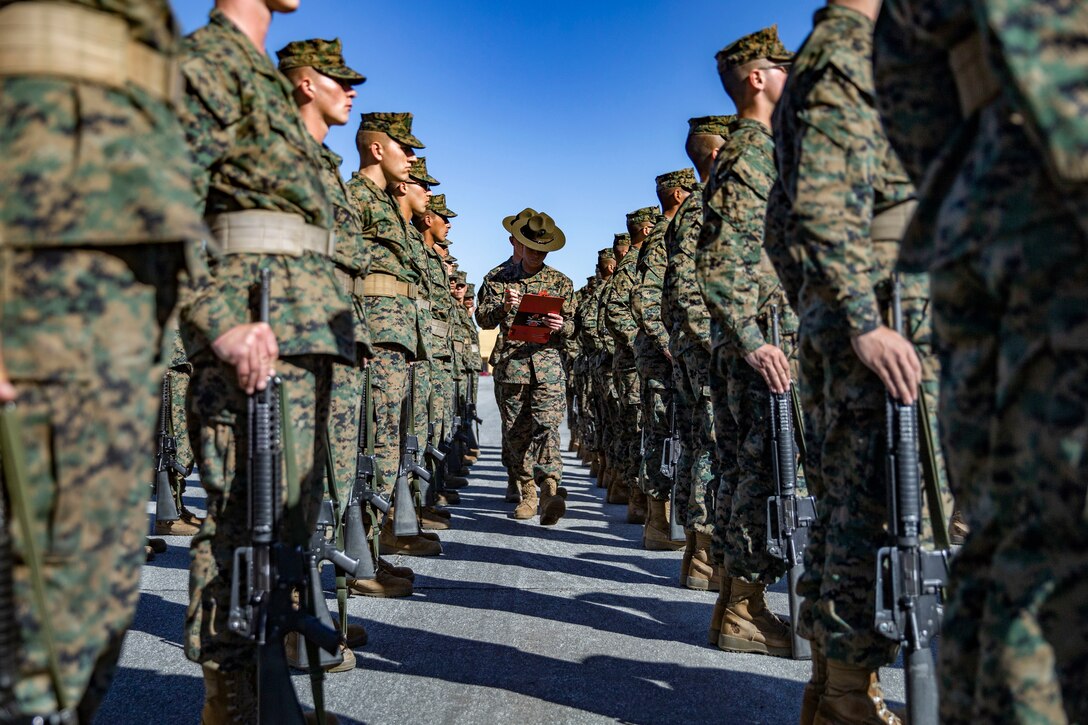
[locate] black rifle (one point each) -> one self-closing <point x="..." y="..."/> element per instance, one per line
<point x="670" y="456"/>
<point x="166" y="460"/>
<point x="364" y="491"/>
<point x="909" y="579"/>
<point x="405" y="522"/>
<point x="789" y="516"/>
<point x="268" y="570"/>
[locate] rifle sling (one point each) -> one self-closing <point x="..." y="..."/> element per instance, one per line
<point x="927" y="448"/>
<point x="15" y="480"/>
<point x="287" y="435"/>
<point x="798" y="424"/>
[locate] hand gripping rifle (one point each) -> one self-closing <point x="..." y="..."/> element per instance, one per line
<point x="909" y="579"/>
<point x="670" y="455"/>
<point x="789" y="516"/>
<point x="268" y="570"/>
<point x="166" y="460"/>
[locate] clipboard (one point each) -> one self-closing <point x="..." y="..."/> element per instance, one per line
<point x="529" y="324"/>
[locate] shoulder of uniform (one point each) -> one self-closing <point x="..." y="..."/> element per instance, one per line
<point x="845" y="45"/>
<point x="209" y="76"/>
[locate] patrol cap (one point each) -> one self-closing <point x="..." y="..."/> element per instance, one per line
<point x="459" y="277"/>
<point x="710" y="125"/>
<point x="682" y="179"/>
<point x="754" y="46"/>
<point x="471" y="291"/>
<point x="419" y="172"/>
<point x="606" y="253"/>
<point x="643" y="215"/>
<point x="397" y="125"/>
<point x="324" y="56"/>
<point x="536" y="230"/>
<point x="437" y="204"/>
<point x="621" y="240"/>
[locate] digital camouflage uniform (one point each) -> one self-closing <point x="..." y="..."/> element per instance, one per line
<point x="601" y="372"/>
<point x="739" y="286"/>
<point x="493" y="359"/>
<point x="1001" y="139"/>
<point x="651" y="346"/>
<point x="619" y="320"/>
<point x="399" y="324"/>
<point x="97" y="198"/>
<point x="583" y="391"/>
<point x="237" y="106"/>
<point x="586" y="329"/>
<point x="838" y="174"/>
<point x="530" y="375"/>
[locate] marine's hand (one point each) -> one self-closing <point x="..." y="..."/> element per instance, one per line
<point x="252" y="350"/>
<point x="772" y="364"/>
<point x="553" y="321"/>
<point x="893" y="358"/>
<point x="7" y="390"/>
<point x="511" y="299"/>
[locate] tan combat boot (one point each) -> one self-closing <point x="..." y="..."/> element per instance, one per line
<point x="432" y="520"/>
<point x="526" y="509"/>
<point x="685" y="563"/>
<point x="853" y="696"/>
<point x="356" y="637"/>
<point x="749" y="626"/>
<point x="602" y="470"/>
<point x="384" y="585"/>
<point x="228" y="696"/>
<point x="714" y="632"/>
<point x="617" y="488"/>
<point x="552" y="505"/>
<point x="403" y="572"/>
<point x="702" y="569"/>
<point x="420" y="545"/>
<point x="454" y="482"/>
<point x="655" y="535"/>
<point x="448" y="498"/>
<point x="293" y="640"/>
<point x="593" y="461"/>
<point x="814" y="688"/>
<point x="513" y="494"/>
<point x="636" y="506"/>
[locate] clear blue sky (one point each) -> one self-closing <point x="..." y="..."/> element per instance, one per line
<point x="570" y="107"/>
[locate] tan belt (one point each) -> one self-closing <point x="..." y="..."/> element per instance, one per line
<point x="440" y="329"/>
<point x="379" y="284"/>
<point x="72" y="41"/>
<point x="350" y="282"/>
<point x="476" y="348"/>
<point x="975" y="81"/>
<point x="890" y="224"/>
<point x="458" y="346"/>
<point x="257" y="231"/>
<point x="423" y="304"/>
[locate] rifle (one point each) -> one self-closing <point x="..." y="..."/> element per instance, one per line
<point x="670" y="455"/>
<point x="268" y="570"/>
<point x="789" y="516"/>
<point x="909" y="579"/>
<point x="363" y="491"/>
<point x="166" y="460"/>
<point x="405" y="522"/>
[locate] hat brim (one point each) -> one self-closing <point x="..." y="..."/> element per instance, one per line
<point x="508" y="222"/>
<point x="557" y="243"/>
<point x="428" y="179"/>
<point x="406" y="139"/>
<point x="343" y="73"/>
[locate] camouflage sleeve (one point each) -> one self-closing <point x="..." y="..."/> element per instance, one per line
<point x="730" y="247"/>
<point x="785" y="258"/>
<point x="489" y="307"/>
<point x="619" y="318"/>
<point x="566" y="291"/>
<point x="650" y="291"/>
<point x="833" y="202"/>
<point x="207" y="111"/>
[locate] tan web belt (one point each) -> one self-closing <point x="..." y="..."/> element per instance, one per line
<point x="476" y="348"/>
<point x="458" y="346"/>
<point x="350" y="283"/>
<point x="440" y="329"/>
<point x="258" y="231"/>
<point x="423" y="304"/>
<point x="975" y="81"/>
<point x="83" y="44"/>
<point x="890" y="224"/>
<point x="378" y="284"/>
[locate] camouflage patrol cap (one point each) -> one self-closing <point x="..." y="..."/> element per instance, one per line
<point x="643" y="215"/>
<point x="682" y="179"/>
<point x="419" y="172"/>
<point x="754" y="46"/>
<point x="711" y="125"/>
<point x="471" y="291"/>
<point x="606" y="253"/>
<point x="397" y="125"/>
<point x="324" y="56"/>
<point x="437" y="204"/>
<point x="451" y="260"/>
<point x="621" y="240"/>
<point x="459" y="277"/>
<point x="536" y="230"/>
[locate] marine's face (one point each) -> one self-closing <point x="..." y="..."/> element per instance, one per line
<point x="774" y="81"/>
<point x="417" y="197"/>
<point x="334" y="98"/>
<point x="531" y="259"/>
<point x="607" y="267"/>
<point x="396" y="160"/>
<point x="439" y="229"/>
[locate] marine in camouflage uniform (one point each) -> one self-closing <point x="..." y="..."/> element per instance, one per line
<point x="587" y="447"/>
<point x="684" y="313"/>
<point x="176" y="380"/>
<point x="531" y="373"/>
<point x="399" y="320"/>
<point x="654" y="360"/>
<point x="998" y="132"/>
<point x="833" y="231"/>
<point x="616" y="488"/>
<point x="513" y="493"/>
<point x="97" y="203"/>
<point x="586" y="328"/>
<point x="237" y="106"/>
<point x="619" y="320"/>
<point x="739" y="287"/>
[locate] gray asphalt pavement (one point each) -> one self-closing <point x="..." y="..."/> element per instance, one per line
<point x="513" y="623"/>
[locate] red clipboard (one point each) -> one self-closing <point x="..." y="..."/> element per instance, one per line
<point x="529" y="324"/>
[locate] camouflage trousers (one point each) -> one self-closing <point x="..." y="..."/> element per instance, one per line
<point x="441" y="403"/>
<point x="745" y="536"/>
<point x="1014" y="400"/>
<point x="608" y="408"/>
<point x="389" y="385"/>
<point x="218" y="425"/>
<point x="726" y="435"/>
<point x="532" y="414"/>
<point x="657" y="399"/>
<point x="628" y="430"/>
<point x="178" y="427"/>
<point x="83" y="343"/>
<point x="345" y="407"/>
